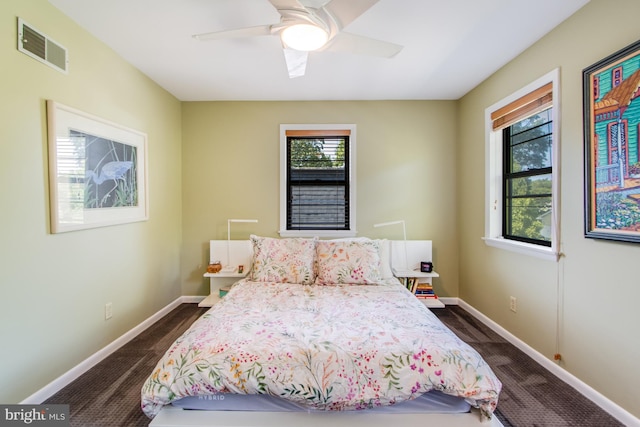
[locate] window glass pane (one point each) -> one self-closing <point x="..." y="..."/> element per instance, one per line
<point x="317" y="174"/>
<point x="528" y="208"/>
<point x="317" y="153"/>
<point x="530" y="186"/>
<point x="532" y="121"/>
<point x="318" y="184"/>
<point x="318" y="207"/>
<point x="529" y="218"/>
<point x="531" y="142"/>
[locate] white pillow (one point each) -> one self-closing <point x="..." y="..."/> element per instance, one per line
<point x="384" y="251"/>
<point x="349" y="261"/>
<point x="283" y="260"/>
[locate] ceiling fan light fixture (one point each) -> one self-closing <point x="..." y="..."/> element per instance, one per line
<point x="304" y="37"/>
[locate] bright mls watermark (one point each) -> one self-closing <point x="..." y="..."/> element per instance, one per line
<point x="34" y="415"/>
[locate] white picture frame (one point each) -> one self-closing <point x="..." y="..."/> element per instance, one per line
<point x="97" y="171"/>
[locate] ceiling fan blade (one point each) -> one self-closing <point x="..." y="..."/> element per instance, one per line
<point x="287" y="4"/>
<point x="296" y="62"/>
<point x="262" y="30"/>
<point x="352" y="43"/>
<point x="346" y="11"/>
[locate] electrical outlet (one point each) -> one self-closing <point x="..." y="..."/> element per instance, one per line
<point x="513" y="304"/>
<point x="108" y="311"/>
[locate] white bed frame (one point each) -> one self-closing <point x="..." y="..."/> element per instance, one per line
<point x="240" y="253"/>
<point x="171" y="416"/>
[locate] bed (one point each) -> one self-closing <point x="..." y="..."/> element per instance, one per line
<point x="319" y="333"/>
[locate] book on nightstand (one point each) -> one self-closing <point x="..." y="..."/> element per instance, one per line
<point x="424" y="290"/>
<point x="410" y="283"/>
<point x="432" y="296"/>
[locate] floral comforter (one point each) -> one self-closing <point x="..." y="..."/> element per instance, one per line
<point x="338" y="347"/>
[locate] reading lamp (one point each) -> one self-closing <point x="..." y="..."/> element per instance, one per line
<point x="229" y="267"/>
<point x="404" y="235"/>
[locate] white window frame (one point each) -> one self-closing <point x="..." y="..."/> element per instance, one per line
<point x="493" y="176"/>
<point x="283" y="182"/>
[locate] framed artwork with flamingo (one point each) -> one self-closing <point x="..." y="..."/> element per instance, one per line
<point x="97" y="171"/>
<point x="611" y="95"/>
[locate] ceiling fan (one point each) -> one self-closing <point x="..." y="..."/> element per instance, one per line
<point x="310" y="25"/>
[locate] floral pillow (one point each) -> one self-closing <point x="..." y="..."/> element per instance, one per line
<point x="283" y="260"/>
<point x="354" y="262"/>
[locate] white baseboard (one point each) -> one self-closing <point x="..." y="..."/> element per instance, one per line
<point x="194" y="299"/>
<point x="69" y="376"/>
<point x="602" y="401"/>
<point x="449" y="300"/>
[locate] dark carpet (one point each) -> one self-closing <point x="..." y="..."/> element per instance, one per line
<point x="109" y="393"/>
<point x="531" y="395"/>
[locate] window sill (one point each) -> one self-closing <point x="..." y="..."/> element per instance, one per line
<point x="542" y="252"/>
<point x="316" y="233"/>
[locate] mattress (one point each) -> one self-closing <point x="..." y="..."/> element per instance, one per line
<point x="431" y="402"/>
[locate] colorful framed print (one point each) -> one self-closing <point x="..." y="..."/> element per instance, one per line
<point x="611" y="97"/>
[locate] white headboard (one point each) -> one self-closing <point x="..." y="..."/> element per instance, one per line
<point x="241" y="253"/>
<point x="417" y="250"/>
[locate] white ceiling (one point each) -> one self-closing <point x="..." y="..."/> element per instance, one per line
<point x="450" y="46"/>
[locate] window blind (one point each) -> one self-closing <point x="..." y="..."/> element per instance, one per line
<point x="528" y="105"/>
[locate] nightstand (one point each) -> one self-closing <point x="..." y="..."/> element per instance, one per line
<point x="234" y="253"/>
<point x="420" y="284"/>
<point x="217" y="281"/>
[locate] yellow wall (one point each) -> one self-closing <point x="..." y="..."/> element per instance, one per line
<point x="405" y="169"/>
<point x="53" y="287"/>
<point x="598" y="280"/>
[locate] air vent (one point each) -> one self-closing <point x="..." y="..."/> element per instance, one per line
<point x="39" y="46"/>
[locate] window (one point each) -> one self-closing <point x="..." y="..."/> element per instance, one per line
<point x="522" y="170"/>
<point x="526" y="179"/>
<point x="316" y="186"/>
